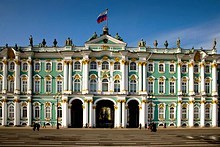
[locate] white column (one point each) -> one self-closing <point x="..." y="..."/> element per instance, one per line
<point x="144" y="78"/>
<point x="5" y="73"/>
<point x="99" y="77"/>
<point x="65" y="112"/>
<point x="69" y="114"/>
<point x="29" y="76"/>
<point x="126" y="77"/>
<point x="16" y="112"/>
<point x="123" y="91"/>
<point x="202" y="75"/>
<point x="111" y="82"/>
<point x="142" y="112"/>
<point x="146" y="112"/>
<point x="191" y="78"/>
<point x="179" y="112"/>
<point x="70" y="77"/>
<point x="202" y="112"/>
<point x="214" y="79"/>
<point x="90" y="114"/>
<point x="123" y="114"/>
<point x="85" y="113"/>
<point x="94" y="116"/>
<point x="65" y="72"/>
<point x="85" y="76"/>
<point x="29" y="111"/>
<point x="116" y="116"/>
<point x="140" y="77"/>
<point x="17" y="76"/>
<point x="4" y="111"/>
<point x="119" y="113"/>
<point x="191" y="111"/>
<point x="214" y="112"/>
<point x="179" y="88"/>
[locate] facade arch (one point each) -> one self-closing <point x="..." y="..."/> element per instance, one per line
<point x="96" y="101"/>
<point x="76" y="98"/>
<point x="139" y="102"/>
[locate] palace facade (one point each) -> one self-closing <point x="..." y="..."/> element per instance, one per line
<point x="107" y="84"/>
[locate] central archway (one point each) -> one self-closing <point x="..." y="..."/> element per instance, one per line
<point x="76" y="114"/>
<point x="105" y="114"/>
<point x="133" y="114"/>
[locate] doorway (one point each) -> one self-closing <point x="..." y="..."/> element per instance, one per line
<point x="76" y="114"/>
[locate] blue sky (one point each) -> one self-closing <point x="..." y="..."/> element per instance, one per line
<point x="196" y="22"/>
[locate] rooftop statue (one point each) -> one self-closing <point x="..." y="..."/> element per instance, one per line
<point x="155" y="43"/>
<point x="16" y="47"/>
<point x="214" y="43"/>
<point x="6" y="45"/>
<point x="166" y="44"/>
<point x="55" y="43"/>
<point x="44" y="43"/>
<point x="31" y="41"/>
<point x="118" y="37"/>
<point x="69" y="42"/>
<point x="178" y="43"/>
<point x="142" y="43"/>
<point x="94" y="36"/>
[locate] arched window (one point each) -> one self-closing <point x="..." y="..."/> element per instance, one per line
<point x="133" y="86"/>
<point x="24" y="112"/>
<point x="37" y="112"/>
<point x="12" y="66"/>
<point x="59" y="110"/>
<point x="161" y="87"/>
<point x="183" y="69"/>
<point x="1" y="66"/>
<point x="172" y="87"/>
<point x="77" y="85"/>
<point x="207" y="69"/>
<point x="184" y="87"/>
<point x="116" y="86"/>
<point x="207" y="112"/>
<point x="172" y="69"/>
<point x="104" y="85"/>
<point x="24" y="85"/>
<point x="47" y="112"/>
<point x="0" y="111"/>
<point x="150" y="112"/>
<point x="48" y="85"/>
<point x="161" y="113"/>
<point x="132" y="66"/>
<point x="196" y="87"/>
<point x="24" y="66"/>
<point x="172" y="113"/>
<point x="161" y="68"/>
<point x="196" y="113"/>
<point x="93" y="65"/>
<point x="1" y="85"/>
<point x="37" y="66"/>
<point x="196" y="68"/>
<point x="59" y="86"/>
<point x="77" y="65"/>
<point x="150" y="67"/>
<point x="93" y="85"/>
<point x="207" y="86"/>
<point x="48" y="66"/>
<point x="11" y="86"/>
<point x="184" y="113"/>
<point x="59" y="67"/>
<point x="36" y="85"/>
<point x="105" y="65"/>
<point x="11" y="111"/>
<point x="116" y="66"/>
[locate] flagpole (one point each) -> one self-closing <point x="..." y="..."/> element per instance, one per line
<point x="107" y="18"/>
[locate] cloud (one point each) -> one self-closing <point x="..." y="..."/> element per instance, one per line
<point x="195" y="36"/>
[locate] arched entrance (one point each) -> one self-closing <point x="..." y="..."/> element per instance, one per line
<point x="133" y="114"/>
<point x="105" y="114"/>
<point x="76" y="114"/>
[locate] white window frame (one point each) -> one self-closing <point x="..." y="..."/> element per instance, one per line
<point x="10" y="87"/>
<point x="107" y="85"/>
<point x="209" y="86"/>
<point x="186" y="69"/>
<point x="37" y="70"/>
<point x="23" y="67"/>
<point x="164" y="110"/>
<point x="48" y="66"/>
<point x="59" y="65"/>
<point x="59" y="111"/>
<point x="135" y="65"/>
<point x="196" y="93"/>
<point x="94" y="83"/>
<point x="49" y="86"/>
<point x="78" y="84"/>
<point x="174" y="113"/>
<point x="93" y="64"/>
<point x="35" y="86"/>
<point x="117" y="66"/>
<point x="77" y="65"/>
<point x="163" y="67"/>
<point x="150" y="71"/>
<point x="174" y="85"/>
<point x="11" y="112"/>
<point x="34" y="109"/>
<point x="45" y="112"/>
<point x="208" y="106"/>
<point x="164" y="90"/>
<point x="197" y="69"/>
<point x="197" y="113"/>
<point x="207" y="72"/>
<point x="24" y="88"/>
<point x="59" y="86"/>
<point x="117" y="87"/>
<point x="148" y="87"/>
<point x="22" y="111"/>
<point x="105" y="66"/>
<point x="133" y="90"/>
<point x="173" y="68"/>
<point x="153" y="110"/>
<point x="10" y="66"/>
<point x="186" y="112"/>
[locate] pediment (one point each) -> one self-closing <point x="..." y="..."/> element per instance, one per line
<point x="106" y="39"/>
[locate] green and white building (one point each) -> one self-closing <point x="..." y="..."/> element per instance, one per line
<point x="105" y="83"/>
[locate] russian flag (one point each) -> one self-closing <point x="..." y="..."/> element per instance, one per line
<point x="102" y="17"/>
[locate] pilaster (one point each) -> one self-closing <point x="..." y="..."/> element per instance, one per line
<point x="202" y="75"/>
<point x="65" y="72"/>
<point x="17" y="75"/>
<point x="123" y="114"/>
<point x="70" y="81"/>
<point x="90" y="113"/>
<point x="214" y="78"/>
<point x="191" y="111"/>
<point x="29" y="76"/>
<point x="179" y="111"/>
<point x="29" y="111"/>
<point x="4" y="110"/>
<point x="179" y="83"/>
<point x="202" y="112"/>
<point x="16" y="111"/>
<point x="65" y="116"/>
<point x="191" y="78"/>
<point x="214" y="111"/>
<point x="140" y="77"/>
<point x="5" y="74"/>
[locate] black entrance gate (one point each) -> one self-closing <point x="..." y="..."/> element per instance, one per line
<point x="76" y="114"/>
<point x="105" y="114"/>
<point x="133" y="114"/>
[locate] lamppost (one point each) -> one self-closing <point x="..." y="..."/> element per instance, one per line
<point x="57" y="97"/>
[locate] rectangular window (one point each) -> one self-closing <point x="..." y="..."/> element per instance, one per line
<point x="48" y="86"/>
<point x="24" y="86"/>
<point x="196" y="88"/>
<point x="11" y="86"/>
<point x="150" y="67"/>
<point x="207" y="113"/>
<point x="37" y="112"/>
<point x="37" y="86"/>
<point x="150" y="87"/>
<point x="207" y="87"/>
<point x="184" y="116"/>
<point x="161" y="87"/>
<point x="161" y="113"/>
<point x="59" y="86"/>
<point x="171" y="87"/>
<point x="172" y="68"/>
<point x="24" y="112"/>
<point x="172" y="113"/>
<point x="184" y="87"/>
<point x="1" y="86"/>
<point x="207" y="69"/>
<point x="47" y="115"/>
<point x="150" y="113"/>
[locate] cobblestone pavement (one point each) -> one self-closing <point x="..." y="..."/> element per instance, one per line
<point x="108" y="137"/>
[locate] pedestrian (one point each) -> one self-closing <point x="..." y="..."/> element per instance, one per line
<point x="153" y="127"/>
<point x="34" y="126"/>
<point x="140" y="126"/>
<point x="145" y="126"/>
<point x="38" y="126"/>
<point x="44" y="126"/>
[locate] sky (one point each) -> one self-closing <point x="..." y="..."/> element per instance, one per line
<point x="195" y="22"/>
